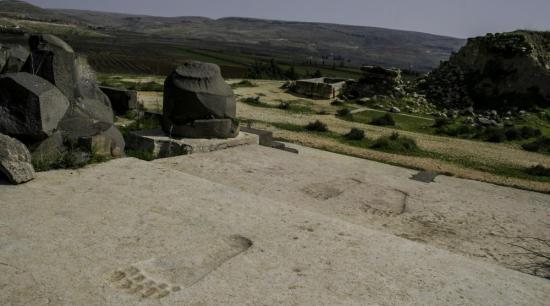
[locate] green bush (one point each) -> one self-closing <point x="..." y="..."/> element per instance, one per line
<point x="395" y="143"/>
<point x="494" y="135"/>
<point x="251" y="100"/>
<point x="541" y="145"/>
<point x="355" y="134"/>
<point x="317" y="126"/>
<point x="385" y="120"/>
<point x="284" y="105"/>
<point x="513" y="133"/>
<point x="538" y="170"/>
<point x="529" y="132"/>
<point x="344" y="112"/>
<point x="441" y="122"/>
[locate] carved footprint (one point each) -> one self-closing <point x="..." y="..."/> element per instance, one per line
<point x="158" y="277"/>
<point x="389" y="203"/>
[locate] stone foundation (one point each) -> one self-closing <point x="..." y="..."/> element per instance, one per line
<point x="159" y="145"/>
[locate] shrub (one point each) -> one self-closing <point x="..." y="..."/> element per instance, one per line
<point x="336" y="103"/>
<point x="284" y="105"/>
<point x="529" y="132"/>
<point x="344" y="112"/>
<point x="317" y="126"/>
<point x="251" y="100"/>
<point x="441" y="122"/>
<point x="541" y="145"/>
<point x="385" y="120"/>
<point x="323" y="112"/>
<point x="355" y="134"/>
<point x="538" y="170"/>
<point x="513" y="133"/>
<point x="494" y="135"/>
<point x="395" y="143"/>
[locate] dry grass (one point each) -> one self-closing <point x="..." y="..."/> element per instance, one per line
<point x="461" y="149"/>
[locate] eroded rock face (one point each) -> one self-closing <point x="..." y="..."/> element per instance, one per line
<point x="30" y="107"/>
<point x="198" y="103"/>
<point x="500" y="71"/>
<point x="15" y="160"/>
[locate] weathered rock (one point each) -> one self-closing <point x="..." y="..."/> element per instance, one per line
<point x="198" y="103"/>
<point x="156" y="144"/>
<point x="395" y="110"/>
<point x="122" y="100"/>
<point x="15" y="59"/>
<point x="88" y="96"/>
<point x="319" y="88"/>
<point x="54" y="60"/>
<point x="30" y="107"/>
<point x="376" y="81"/>
<point x="58" y="109"/>
<point x="15" y="160"/>
<point x="3" y="57"/>
<point x="499" y="71"/>
<point x="487" y="122"/>
<point x="49" y="150"/>
<point x="77" y="126"/>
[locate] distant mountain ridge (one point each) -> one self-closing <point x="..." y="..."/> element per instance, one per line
<point x="352" y="45"/>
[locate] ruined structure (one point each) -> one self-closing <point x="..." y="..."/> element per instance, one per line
<point x="198" y="103"/>
<point x="319" y="88"/>
<point x="500" y="71"/>
<point x="376" y="81"/>
<point x="54" y="106"/>
<point x="199" y="115"/>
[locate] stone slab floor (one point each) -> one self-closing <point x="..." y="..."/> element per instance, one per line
<point x="213" y="229"/>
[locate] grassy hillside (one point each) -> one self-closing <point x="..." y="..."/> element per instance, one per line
<point x="317" y="42"/>
<point x="134" y="44"/>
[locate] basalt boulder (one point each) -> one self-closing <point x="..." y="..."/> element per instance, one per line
<point x="122" y="100"/>
<point x="198" y="103"/>
<point x="3" y="57"/>
<point x="15" y="58"/>
<point x="31" y="108"/>
<point x="15" y="160"/>
<point x="54" y="60"/>
<point x="56" y="107"/>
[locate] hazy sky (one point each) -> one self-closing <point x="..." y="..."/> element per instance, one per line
<point x="460" y="18"/>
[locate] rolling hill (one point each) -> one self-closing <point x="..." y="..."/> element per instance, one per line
<point x="294" y="43"/>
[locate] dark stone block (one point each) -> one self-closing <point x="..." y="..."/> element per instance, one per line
<point x="215" y="128"/>
<point x="194" y="94"/>
<point x="266" y="137"/>
<point x="30" y="107"/>
<point x="122" y="100"/>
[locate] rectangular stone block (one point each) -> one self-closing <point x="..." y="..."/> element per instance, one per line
<point x="159" y="145"/>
